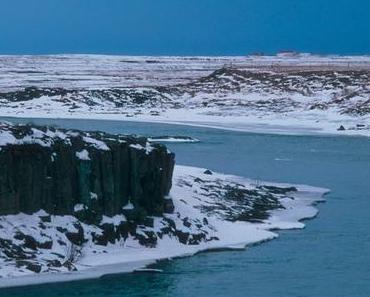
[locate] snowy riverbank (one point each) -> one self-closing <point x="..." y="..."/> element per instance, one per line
<point x="193" y="194"/>
<point x="284" y="94"/>
<point x="298" y="124"/>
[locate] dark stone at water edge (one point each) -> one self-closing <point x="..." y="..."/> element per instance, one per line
<point x="34" y="267"/>
<point x="341" y="128"/>
<point x="79" y="173"/>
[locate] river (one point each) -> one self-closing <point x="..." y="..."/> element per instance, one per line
<point x="330" y="257"/>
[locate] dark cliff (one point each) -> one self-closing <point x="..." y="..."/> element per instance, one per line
<point x="85" y="174"/>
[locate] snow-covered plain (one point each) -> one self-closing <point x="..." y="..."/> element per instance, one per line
<point x="287" y="93"/>
<point x="193" y="198"/>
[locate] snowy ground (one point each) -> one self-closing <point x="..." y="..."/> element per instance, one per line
<point x="290" y="94"/>
<point x="208" y="208"/>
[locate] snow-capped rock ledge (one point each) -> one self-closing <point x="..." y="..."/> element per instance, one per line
<point x="210" y="211"/>
<point x="87" y="174"/>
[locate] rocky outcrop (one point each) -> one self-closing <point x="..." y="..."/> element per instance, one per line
<point x="83" y="174"/>
<point x="343" y="91"/>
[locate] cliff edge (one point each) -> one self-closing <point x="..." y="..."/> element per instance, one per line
<point x="65" y="172"/>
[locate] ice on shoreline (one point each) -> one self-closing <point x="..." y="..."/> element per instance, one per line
<point x="173" y="139"/>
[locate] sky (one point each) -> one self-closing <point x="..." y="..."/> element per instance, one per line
<point x="184" y="27"/>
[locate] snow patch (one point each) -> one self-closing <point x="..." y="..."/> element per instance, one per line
<point x="128" y="206"/>
<point x="83" y="155"/>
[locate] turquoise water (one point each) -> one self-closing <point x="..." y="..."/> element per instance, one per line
<point x="331" y="257"/>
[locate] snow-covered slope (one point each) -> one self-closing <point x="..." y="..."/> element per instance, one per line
<point x="285" y="94"/>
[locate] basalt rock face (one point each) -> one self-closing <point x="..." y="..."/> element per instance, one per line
<point x="83" y="174"/>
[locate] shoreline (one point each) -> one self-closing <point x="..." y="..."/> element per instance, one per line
<point x="236" y="124"/>
<point x="233" y="236"/>
<point x="100" y="271"/>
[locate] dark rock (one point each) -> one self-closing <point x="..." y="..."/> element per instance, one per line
<point x="78" y="237"/>
<point x="99" y="239"/>
<point x="61" y="242"/>
<point x="47" y="245"/>
<point x="170" y="223"/>
<point x="196" y="238"/>
<point x="209" y="172"/>
<point x="148" y="222"/>
<point x="29" y="241"/>
<point x="34" y="267"/>
<point x="109" y="233"/>
<point x="61" y="229"/>
<point x="186" y="222"/>
<point x="30" y="93"/>
<point x="168" y="206"/>
<point x="13" y="251"/>
<point x="198" y="180"/>
<point x="279" y="190"/>
<point x="45" y="219"/>
<point x="149" y="239"/>
<point x="69" y="265"/>
<point x="89" y="216"/>
<point x="53" y="178"/>
<point x="182" y="236"/>
<point x="54" y="263"/>
<point x="341" y="128"/>
<point x="136" y="215"/>
<point x="124" y="229"/>
<point x="42" y="226"/>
